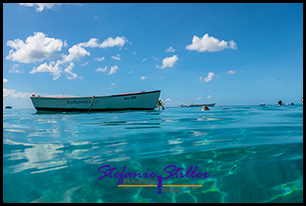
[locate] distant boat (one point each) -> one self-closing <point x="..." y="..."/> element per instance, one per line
<point x="262" y="104"/>
<point x="8" y="107"/>
<point x="129" y="101"/>
<point x="199" y="105"/>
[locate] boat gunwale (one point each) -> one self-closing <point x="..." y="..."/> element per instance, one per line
<point x="199" y="105"/>
<point x="202" y="104"/>
<point x="115" y="95"/>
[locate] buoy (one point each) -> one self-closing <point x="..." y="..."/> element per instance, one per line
<point x="204" y="108"/>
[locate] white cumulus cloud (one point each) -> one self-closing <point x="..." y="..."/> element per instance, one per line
<point x="75" y="53"/>
<point x="65" y="43"/>
<point x="99" y="59"/>
<point x="39" y="47"/>
<point x="210" y="44"/>
<point x="170" y="49"/>
<point x="69" y="71"/>
<point x="208" y="78"/>
<point x="36" y="48"/>
<point x="14" y="69"/>
<point x="10" y="93"/>
<point x="168" y="61"/>
<point x="113" y="70"/>
<point x="209" y="97"/>
<point x="93" y="42"/>
<point x="84" y="64"/>
<point x="53" y="68"/>
<point x="40" y="6"/>
<point x="110" y="42"/>
<point x="113" y="85"/>
<point x="102" y="69"/>
<point x="231" y="72"/>
<point x="5" y="80"/>
<point x="116" y="57"/>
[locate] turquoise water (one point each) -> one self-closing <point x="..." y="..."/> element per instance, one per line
<point x="251" y="153"/>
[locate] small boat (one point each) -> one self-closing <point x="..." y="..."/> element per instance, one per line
<point x="262" y="104"/>
<point x="8" y="107"/>
<point x="199" y="105"/>
<point x="128" y="101"/>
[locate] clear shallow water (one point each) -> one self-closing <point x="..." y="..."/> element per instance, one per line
<point x="251" y="153"/>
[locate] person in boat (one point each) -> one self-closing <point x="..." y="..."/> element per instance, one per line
<point x="204" y="108"/>
<point x="292" y="104"/>
<point x="280" y="103"/>
<point x="160" y="103"/>
<point x="181" y="105"/>
<point x="302" y="99"/>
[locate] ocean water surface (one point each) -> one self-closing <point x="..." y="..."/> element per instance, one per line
<point x="251" y="153"/>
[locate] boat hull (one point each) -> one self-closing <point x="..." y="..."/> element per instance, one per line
<point x="200" y="105"/>
<point x="130" y="101"/>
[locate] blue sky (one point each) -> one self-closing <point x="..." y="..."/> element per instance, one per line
<point x="231" y="54"/>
